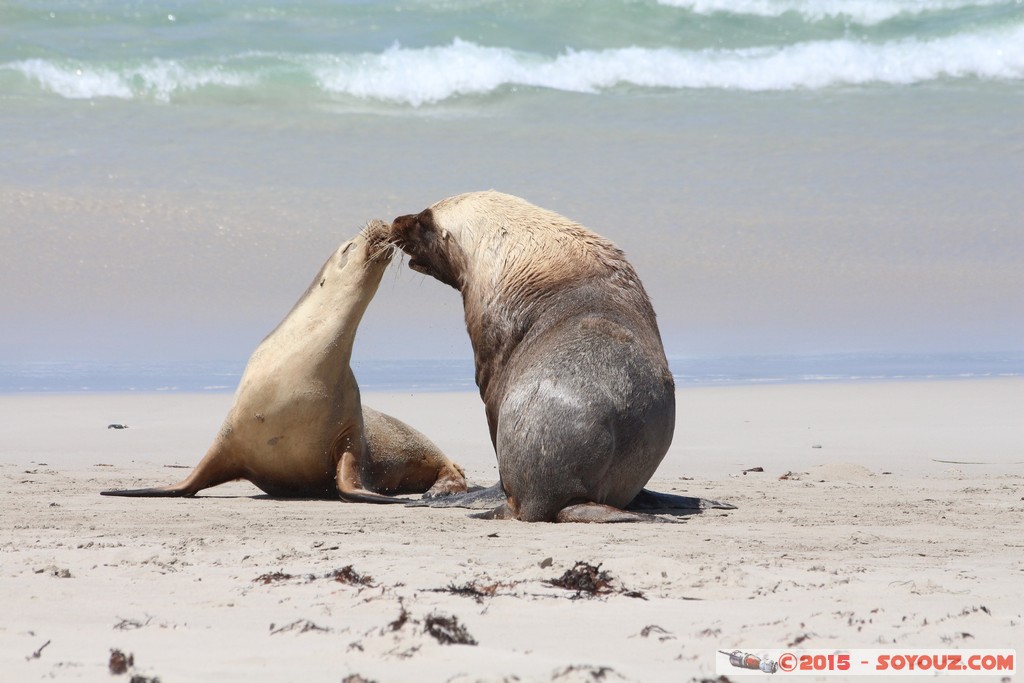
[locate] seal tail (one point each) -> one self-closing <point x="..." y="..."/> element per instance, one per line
<point x="217" y="467"/>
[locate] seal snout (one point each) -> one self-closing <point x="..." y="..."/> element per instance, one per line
<point x="379" y="246"/>
<point x="429" y="252"/>
<point x="402" y="230"/>
<point x="403" y="234"/>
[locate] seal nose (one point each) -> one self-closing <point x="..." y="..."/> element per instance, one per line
<point x="401" y="226"/>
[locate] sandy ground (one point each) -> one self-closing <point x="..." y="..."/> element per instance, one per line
<point x="887" y="514"/>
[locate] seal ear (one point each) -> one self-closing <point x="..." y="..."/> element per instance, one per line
<point x="445" y="234"/>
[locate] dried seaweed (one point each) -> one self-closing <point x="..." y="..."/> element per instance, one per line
<point x="350" y="576"/>
<point x="131" y="624"/>
<point x="471" y="590"/>
<point x="447" y="630"/>
<point x="300" y="625"/>
<point x="596" y="673"/>
<point x="38" y="653"/>
<point x="403" y="617"/>
<point x="272" y="577"/>
<point x="584" y="578"/>
<point x="120" y="662"/>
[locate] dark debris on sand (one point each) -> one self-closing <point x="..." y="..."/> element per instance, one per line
<point x="447" y="630"/>
<point x="131" y="624"/>
<point x="299" y="625"/>
<point x="272" y="577"/>
<point x="120" y="662"/>
<point x="586" y="579"/>
<point x="38" y="653"/>
<point x="350" y="576"/>
<point x="443" y="628"/>
<point x="403" y="617"/>
<point x="594" y="673"/>
<point x="346" y="575"/>
<point x="471" y="590"/>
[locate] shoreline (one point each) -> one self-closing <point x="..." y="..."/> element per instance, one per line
<point x="456" y="374"/>
<point x="826" y="549"/>
<point x="716" y="426"/>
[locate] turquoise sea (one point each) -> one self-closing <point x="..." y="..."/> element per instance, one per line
<point x="419" y="52"/>
<point x="422" y="375"/>
<point x="791" y="178"/>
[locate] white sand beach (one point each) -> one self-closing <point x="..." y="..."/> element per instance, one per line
<point x="887" y="514"/>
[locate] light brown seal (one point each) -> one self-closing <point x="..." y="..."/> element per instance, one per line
<point x="569" y="360"/>
<point x="297" y="427"/>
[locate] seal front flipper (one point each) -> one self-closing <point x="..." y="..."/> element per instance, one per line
<point x="218" y="466"/>
<point x="476" y="499"/>
<point x="652" y="501"/>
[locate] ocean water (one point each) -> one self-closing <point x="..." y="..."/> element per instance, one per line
<point x="791" y="178"/>
<point x="431" y="375"/>
<point x="413" y="53"/>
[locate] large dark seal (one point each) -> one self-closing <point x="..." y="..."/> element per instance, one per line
<point x="297" y="427"/>
<point x="569" y="360"/>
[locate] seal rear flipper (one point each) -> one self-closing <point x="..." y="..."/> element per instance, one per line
<point x="503" y="511"/>
<point x="158" y="492"/>
<point x="596" y="513"/>
<point x="652" y="501"/>
<point x="364" y="496"/>
<point x="349" y="483"/>
<point x="582" y="513"/>
<point x="477" y="498"/>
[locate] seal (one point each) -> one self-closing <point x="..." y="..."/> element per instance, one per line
<point x="297" y="427"/>
<point x="569" y="360"/>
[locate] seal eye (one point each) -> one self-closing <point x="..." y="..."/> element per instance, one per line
<point x="425" y="221"/>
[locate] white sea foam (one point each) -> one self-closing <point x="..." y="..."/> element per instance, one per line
<point x="162" y="78"/>
<point x="73" y="82"/>
<point x="433" y="74"/>
<point x="159" y="79"/>
<point x="864" y="12"/>
<point x="420" y="76"/>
